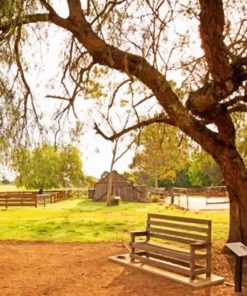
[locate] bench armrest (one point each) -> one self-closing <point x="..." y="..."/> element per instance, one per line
<point x="138" y="233"/>
<point x="200" y="245"/>
<point x="134" y="234"/>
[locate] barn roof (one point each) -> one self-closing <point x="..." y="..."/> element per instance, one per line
<point x="116" y="178"/>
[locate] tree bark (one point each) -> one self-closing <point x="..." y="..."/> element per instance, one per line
<point x="235" y="229"/>
<point x="235" y="176"/>
<point x="156" y="184"/>
<point x="109" y="189"/>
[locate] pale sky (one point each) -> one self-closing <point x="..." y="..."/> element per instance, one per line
<point x="96" y="152"/>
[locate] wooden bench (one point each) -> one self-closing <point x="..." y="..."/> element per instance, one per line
<point x="177" y="244"/>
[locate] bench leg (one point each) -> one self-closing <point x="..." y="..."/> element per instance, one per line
<point x="208" y="263"/>
<point x="192" y="264"/>
<point x="132" y="251"/>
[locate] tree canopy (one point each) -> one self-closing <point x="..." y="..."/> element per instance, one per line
<point x="162" y="151"/>
<point x="147" y="43"/>
<point x="203" y="171"/>
<point x="46" y="167"/>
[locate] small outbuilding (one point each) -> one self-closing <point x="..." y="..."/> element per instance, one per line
<point x="120" y="187"/>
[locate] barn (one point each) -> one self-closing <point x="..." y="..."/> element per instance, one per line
<point x="120" y="187"/>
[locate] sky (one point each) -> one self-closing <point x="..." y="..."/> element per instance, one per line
<point x="95" y="151"/>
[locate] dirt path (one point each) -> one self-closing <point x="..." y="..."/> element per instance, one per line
<point x="66" y="269"/>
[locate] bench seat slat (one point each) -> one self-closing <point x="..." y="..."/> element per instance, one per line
<point x="201" y="271"/>
<point x="164" y="265"/>
<point x="181" y="219"/>
<point x="196" y="257"/>
<point x="166" y="251"/>
<point x="162" y="251"/>
<point x="172" y="260"/>
<point x="178" y="233"/>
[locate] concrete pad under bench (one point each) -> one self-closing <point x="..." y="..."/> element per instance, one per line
<point x="198" y="282"/>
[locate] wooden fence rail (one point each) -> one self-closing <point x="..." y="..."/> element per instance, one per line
<point x="15" y="200"/>
<point x="31" y="199"/>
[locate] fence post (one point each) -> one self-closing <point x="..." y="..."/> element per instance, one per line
<point x="187" y="201"/>
<point x="172" y="197"/>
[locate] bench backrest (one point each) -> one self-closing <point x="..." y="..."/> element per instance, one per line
<point x="182" y="230"/>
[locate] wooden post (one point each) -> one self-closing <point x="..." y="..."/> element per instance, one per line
<point x="132" y="249"/>
<point x="187" y="201"/>
<point x="208" y="250"/>
<point x="109" y="188"/>
<point x="192" y="263"/>
<point x="240" y="251"/>
<point x="238" y="274"/>
<point x="172" y="196"/>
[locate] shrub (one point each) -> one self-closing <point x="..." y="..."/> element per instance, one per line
<point x="155" y="198"/>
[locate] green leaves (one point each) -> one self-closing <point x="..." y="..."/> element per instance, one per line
<point x="203" y="171"/>
<point x="46" y="167"/>
<point x="160" y="154"/>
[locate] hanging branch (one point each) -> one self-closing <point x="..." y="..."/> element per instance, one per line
<point x="158" y="119"/>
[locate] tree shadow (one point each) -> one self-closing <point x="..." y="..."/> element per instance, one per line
<point x="136" y="282"/>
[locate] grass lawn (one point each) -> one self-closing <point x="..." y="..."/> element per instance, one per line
<point x="86" y="221"/>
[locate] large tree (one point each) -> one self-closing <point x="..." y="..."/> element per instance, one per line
<point x="147" y="41"/>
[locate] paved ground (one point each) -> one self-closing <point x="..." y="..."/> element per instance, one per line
<point x="77" y="269"/>
<point x="200" y="203"/>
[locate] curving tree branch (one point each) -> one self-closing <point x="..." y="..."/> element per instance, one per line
<point x="211" y="29"/>
<point x="5" y="26"/>
<point x="158" y="119"/>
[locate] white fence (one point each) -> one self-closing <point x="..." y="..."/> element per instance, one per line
<point x="207" y="198"/>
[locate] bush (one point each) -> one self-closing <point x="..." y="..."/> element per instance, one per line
<point x="155" y="198"/>
<point x="5" y="181"/>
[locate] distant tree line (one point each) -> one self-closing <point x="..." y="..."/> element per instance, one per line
<point x="47" y="167"/>
<point x="165" y="158"/>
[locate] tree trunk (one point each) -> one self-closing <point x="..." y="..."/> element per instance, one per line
<point x="109" y="189"/>
<point x="156" y="184"/>
<point x="238" y="221"/>
<point x="235" y="177"/>
<point x="235" y="232"/>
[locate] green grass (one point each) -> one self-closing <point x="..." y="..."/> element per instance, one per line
<point x="86" y="221"/>
<point x="9" y="187"/>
